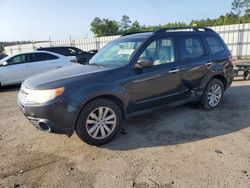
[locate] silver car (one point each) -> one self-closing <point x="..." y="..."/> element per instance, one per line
<point x="16" y="68"/>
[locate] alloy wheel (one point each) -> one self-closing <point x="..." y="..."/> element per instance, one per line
<point x="214" y="95"/>
<point x="101" y="122"/>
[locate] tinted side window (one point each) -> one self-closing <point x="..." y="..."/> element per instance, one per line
<point x="191" y="47"/>
<point x="150" y="52"/>
<point x="58" y="50"/>
<point x="160" y="51"/>
<point x="73" y="51"/>
<point x="215" y="45"/>
<point x="18" y="59"/>
<point x="55" y="50"/>
<point x="63" y="51"/>
<point x="43" y="57"/>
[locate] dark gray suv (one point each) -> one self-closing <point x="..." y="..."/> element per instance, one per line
<point x="131" y="75"/>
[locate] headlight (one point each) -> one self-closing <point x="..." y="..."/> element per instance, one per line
<point x="43" y="96"/>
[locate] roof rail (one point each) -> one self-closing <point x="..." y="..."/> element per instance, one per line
<point x="131" y="33"/>
<point x="163" y="30"/>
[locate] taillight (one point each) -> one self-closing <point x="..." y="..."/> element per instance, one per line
<point x="74" y="61"/>
<point x="230" y="59"/>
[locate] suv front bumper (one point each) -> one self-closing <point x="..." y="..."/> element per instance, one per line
<point x="48" y="118"/>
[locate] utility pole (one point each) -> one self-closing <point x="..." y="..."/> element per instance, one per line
<point x="50" y="42"/>
<point x="70" y="42"/>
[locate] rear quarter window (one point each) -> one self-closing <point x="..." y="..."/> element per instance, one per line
<point x="215" y="45"/>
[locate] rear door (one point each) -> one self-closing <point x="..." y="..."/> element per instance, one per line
<point x="195" y="62"/>
<point x="18" y="69"/>
<point x="43" y="61"/>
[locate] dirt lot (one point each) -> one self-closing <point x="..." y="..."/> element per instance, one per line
<point x="178" y="147"/>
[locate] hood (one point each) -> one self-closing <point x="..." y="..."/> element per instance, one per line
<point x="71" y="72"/>
<point x="5" y="59"/>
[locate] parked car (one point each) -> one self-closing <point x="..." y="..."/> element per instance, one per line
<point x="130" y="76"/>
<point x="2" y="55"/>
<point x="80" y="56"/>
<point x="93" y="51"/>
<point x="16" y="68"/>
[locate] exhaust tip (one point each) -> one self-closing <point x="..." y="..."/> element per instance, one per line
<point x="44" y="126"/>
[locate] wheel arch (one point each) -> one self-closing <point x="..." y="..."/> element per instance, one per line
<point x="111" y="97"/>
<point x="222" y="79"/>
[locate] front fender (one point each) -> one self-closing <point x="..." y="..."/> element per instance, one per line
<point x="85" y="95"/>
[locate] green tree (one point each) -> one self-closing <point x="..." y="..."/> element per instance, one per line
<point x="247" y="6"/>
<point x="237" y="6"/>
<point x="104" y="27"/>
<point x="135" y="27"/>
<point x="96" y="26"/>
<point x="125" y="24"/>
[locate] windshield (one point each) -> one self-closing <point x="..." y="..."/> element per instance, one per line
<point x="118" y="52"/>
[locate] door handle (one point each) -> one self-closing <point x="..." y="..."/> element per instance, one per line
<point x="208" y="64"/>
<point x="174" y="71"/>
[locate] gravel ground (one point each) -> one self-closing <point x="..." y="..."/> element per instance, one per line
<point x="179" y="147"/>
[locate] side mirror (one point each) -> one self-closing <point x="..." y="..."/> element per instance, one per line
<point x="144" y="63"/>
<point x="4" y="63"/>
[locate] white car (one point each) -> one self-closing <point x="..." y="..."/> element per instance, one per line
<point x="16" y="68"/>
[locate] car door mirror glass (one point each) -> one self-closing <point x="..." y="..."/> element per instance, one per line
<point x="144" y="63"/>
<point x="4" y="63"/>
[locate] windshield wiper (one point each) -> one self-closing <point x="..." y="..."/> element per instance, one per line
<point x="97" y="64"/>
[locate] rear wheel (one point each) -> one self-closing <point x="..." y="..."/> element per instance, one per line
<point x="99" y="122"/>
<point x="213" y="94"/>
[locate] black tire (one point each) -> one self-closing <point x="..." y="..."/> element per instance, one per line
<point x="245" y="75"/>
<point x="236" y="73"/>
<point x="81" y="127"/>
<point x="204" y="101"/>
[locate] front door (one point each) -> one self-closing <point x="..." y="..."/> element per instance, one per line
<point x="159" y="84"/>
<point x="17" y="69"/>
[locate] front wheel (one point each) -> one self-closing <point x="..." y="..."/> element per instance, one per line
<point x="99" y="122"/>
<point x="213" y="94"/>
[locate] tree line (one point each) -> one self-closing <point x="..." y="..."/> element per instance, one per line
<point x="105" y="27"/>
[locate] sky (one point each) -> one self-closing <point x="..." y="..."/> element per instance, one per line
<point x="58" y="19"/>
